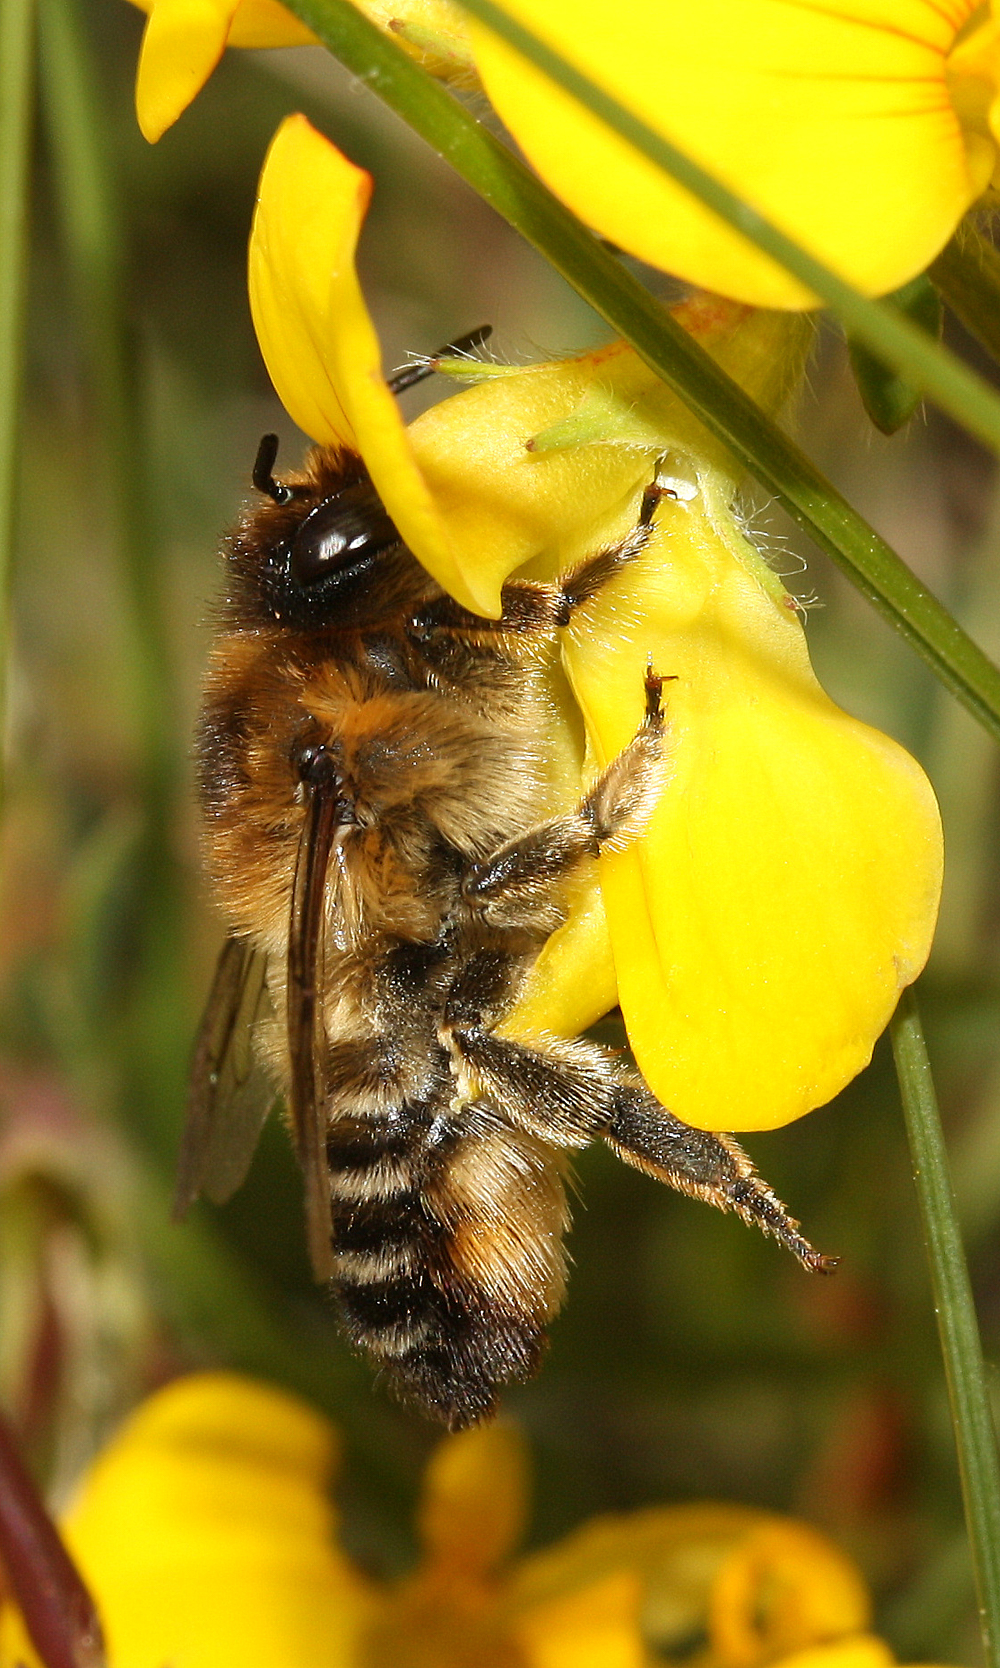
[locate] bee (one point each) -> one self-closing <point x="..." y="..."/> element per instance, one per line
<point x="375" y="827"/>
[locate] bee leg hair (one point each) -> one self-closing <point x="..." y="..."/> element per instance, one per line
<point x="705" y="1165"/>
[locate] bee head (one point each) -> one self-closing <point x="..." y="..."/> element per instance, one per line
<point x="323" y="554"/>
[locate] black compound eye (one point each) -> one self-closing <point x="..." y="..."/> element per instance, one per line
<point x="343" y="533"/>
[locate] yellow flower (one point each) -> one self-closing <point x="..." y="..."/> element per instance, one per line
<point x="759" y="934"/>
<point x="206" y="1535"/>
<point x="863" y="128"/>
<point x="185" y="39"/>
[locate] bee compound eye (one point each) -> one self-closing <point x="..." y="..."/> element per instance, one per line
<point x="341" y="535"/>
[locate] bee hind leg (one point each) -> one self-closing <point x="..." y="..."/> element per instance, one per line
<point x="705" y="1165"/>
<point x="570" y="1093"/>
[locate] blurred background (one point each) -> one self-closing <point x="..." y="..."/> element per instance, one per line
<point x="694" y="1359"/>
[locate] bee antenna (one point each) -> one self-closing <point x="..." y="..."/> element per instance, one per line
<point x="263" y="478"/>
<point x="410" y="375"/>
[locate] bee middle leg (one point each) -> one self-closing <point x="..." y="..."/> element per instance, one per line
<point x="523" y="874"/>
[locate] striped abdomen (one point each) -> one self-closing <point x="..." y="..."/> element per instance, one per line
<point x="447" y="1235"/>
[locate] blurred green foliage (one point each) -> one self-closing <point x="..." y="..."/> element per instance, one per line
<point x="693" y="1359"/>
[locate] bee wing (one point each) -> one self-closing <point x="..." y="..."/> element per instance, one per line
<point x="305" y="988"/>
<point x="229" y="1095"/>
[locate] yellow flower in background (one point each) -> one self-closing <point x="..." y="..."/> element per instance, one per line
<point x="863" y="128"/>
<point x="185" y="39"/>
<point x="206" y="1535"/>
<point x="759" y="934"/>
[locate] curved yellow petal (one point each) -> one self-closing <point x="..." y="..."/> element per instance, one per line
<point x="783" y="1588"/>
<point x="206" y="1535"/>
<point x="787" y="886"/>
<point x="474" y="1501"/>
<point x="675" y="1550"/>
<point x="319" y="343"/>
<point x="311" y="204"/>
<point x="182" y="43"/>
<point x="604" y="416"/>
<point x="833" y="119"/>
<point x="760" y="1586"/>
<point x="596" y="1627"/>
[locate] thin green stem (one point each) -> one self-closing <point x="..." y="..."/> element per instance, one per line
<point x="975" y="1436"/>
<point x="91" y="221"/>
<point x="889" y="335"/>
<point x="632" y="312"/>
<point x="147" y="1031"/>
<point x="967" y="273"/>
<point x="17" y="19"/>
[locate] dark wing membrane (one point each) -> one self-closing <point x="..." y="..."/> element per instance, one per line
<point x="305" y="987"/>
<point x="230" y="1095"/>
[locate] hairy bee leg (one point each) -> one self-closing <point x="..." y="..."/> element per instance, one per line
<point x="706" y="1166"/>
<point x="569" y="1093"/>
<point x="523" y="873"/>
<point x="528" y="606"/>
<point x="561" y="1092"/>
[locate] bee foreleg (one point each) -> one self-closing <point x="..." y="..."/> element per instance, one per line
<point x="524" y="872"/>
<point x="529" y="606"/>
<point x="707" y="1166"/>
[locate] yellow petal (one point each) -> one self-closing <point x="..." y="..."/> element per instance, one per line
<point x="760" y="1585"/>
<point x="206" y="1536"/>
<point x="474" y="1500"/>
<point x="783" y="1588"/>
<point x="675" y="1550"/>
<point x="597" y="1627"/>
<point x="258" y="23"/>
<point x="787" y="886"/>
<point x="182" y="43"/>
<point x="507" y="506"/>
<point x="573" y="983"/>
<point x="833" y="119"/>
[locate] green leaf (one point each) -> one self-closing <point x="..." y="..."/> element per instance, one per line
<point x="967" y="273"/>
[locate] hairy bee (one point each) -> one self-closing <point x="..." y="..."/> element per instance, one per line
<point x="371" y="789"/>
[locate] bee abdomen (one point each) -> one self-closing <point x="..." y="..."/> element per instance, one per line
<point x="448" y="1267"/>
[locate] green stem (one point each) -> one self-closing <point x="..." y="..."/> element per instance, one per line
<point x="889" y="335"/>
<point x="16" y="113"/>
<point x="91" y="219"/>
<point x="975" y="1436"/>
<point x="722" y="406"/>
<point x="967" y="273"/>
<point x="147" y="1034"/>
